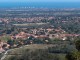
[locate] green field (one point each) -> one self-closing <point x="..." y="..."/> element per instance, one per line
<point x="30" y="24"/>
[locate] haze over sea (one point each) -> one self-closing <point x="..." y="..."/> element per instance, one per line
<point x="41" y="4"/>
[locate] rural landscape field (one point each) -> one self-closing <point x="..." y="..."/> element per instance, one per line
<point x="39" y="31"/>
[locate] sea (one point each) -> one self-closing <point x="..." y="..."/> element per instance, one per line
<point x="40" y="4"/>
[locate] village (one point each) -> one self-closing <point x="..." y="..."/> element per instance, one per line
<point x="34" y="36"/>
<point x="22" y="28"/>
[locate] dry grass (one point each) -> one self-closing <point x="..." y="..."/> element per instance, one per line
<point x="31" y="47"/>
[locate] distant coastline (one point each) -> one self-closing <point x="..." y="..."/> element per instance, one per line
<point x="41" y="4"/>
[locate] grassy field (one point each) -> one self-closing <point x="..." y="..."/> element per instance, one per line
<point x="33" y="47"/>
<point x="30" y="24"/>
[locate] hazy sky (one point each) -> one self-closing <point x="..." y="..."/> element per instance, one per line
<point x="39" y="0"/>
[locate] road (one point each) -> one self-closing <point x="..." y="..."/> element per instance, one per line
<point x="4" y="55"/>
<point x="32" y="47"/>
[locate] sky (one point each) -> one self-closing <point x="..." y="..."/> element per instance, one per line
<point x="39" y="0"/>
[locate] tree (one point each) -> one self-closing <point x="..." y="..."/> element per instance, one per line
<point x="72" y="56"/>
<point x="77" y="43"/>
<point x="75" y="55"/>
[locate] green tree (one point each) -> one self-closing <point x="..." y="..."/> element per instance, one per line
<point x="75" y="55"/>
<point x="77" y="43"/>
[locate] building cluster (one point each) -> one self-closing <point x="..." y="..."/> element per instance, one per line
<point x="39" y="33"/>
<point x="44" y="33"/>
<point x="24" y="20"/>
<point x="3" y="46"/>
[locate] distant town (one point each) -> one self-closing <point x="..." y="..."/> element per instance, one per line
<point x="27" y="26"/>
